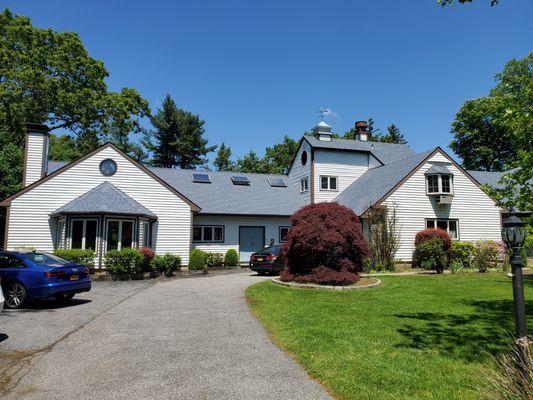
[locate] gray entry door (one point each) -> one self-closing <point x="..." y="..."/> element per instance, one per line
<point x="251" y="239"/>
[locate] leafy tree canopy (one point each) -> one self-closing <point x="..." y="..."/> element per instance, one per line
<point x="494" y="133"/>
<point x="48" y="77"/>
<point x="223" y="159"/>
<point x="447" y="2"/>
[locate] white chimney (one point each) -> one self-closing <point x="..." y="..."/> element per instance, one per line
<point x="35" y="153"/>
<point x="322" y="131"/>
<point x="361" y="131"/>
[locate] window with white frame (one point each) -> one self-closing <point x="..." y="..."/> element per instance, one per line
<point x="328" y="182"/>
<point x="83" y="234"/>
<point x="119" y="234"/>
<point x="283" y="230"/>
<point x="304" y="184"/>
<point x="439" y="184"/>
<point x="208" y="233"/>
<point x="449" y="225"/>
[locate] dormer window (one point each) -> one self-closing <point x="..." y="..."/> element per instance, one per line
<point x="439" y="180"/>
<point x="439" y="184"/>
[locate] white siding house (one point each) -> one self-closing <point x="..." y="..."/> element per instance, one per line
<point x="106" y="200"/>
<point x="475" y="213"/>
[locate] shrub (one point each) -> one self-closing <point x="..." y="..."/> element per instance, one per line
<point x="325" y="235"/>
<point x="456" y="266"/>
<point x="125" y="261"/>
<point x="461" y="254"/>
<point x="383" y="238"/>
<point x="231" y="259"/>
<point x="430" y="254"/>
<point x="166" y="263"/>
<point x="197" y="259"/>
<point x="367" y="264"/>
<point x="322" y="276"/>
<point x="528" y="245"/>
<point x="147" y="255"/>
<point x="486" y="255"/>
<point x="79" y="256"/>
<point x="214" y="260"/>
<point x="428" y="234"/>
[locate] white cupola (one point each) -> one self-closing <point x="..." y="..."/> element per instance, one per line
<point x="322" y="131"/>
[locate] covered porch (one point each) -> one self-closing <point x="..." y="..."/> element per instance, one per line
<point x="103" y="219"/>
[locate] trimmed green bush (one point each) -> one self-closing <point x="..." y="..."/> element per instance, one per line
<point x="430" y="254"/>
<point x="214" y="260"/>
<point x="197" y="259"/>
<point x="125" y="261"/>
<point x="461" y="254"/>
<point x="231" y="259"/>
<point x="166" y="263"/>
<point x="79" y="256"/>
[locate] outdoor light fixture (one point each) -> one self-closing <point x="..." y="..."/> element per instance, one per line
<point x="514" y="234"/>
<point x="514" y="231"/>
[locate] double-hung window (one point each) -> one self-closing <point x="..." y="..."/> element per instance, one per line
<point x="328" y="183"/>
<point x="83" y="234"/>
<point x="449" y="225"/>
<point x="304" y="184"/>
<point x="283" y="230"/>
<point x="208" y="233"/>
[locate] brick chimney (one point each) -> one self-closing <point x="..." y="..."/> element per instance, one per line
<point x="35" y="153"/>
<point x="361" y="131"/>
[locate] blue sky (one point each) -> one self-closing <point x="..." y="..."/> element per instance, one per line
<point x="258" y="70"/>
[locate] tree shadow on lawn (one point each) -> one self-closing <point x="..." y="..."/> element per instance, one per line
<point x="489" y="329"/>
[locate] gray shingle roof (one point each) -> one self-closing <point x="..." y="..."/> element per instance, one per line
<point x="438" y="169"/>
<point x="221" y="196"/>
<point x="488" y="178"/>
<point x="104" y="199"/>
<point x="385" y="152"/>
<point x="376" y="182"/>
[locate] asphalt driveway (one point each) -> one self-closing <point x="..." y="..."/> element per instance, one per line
<point x="181" y="339"/>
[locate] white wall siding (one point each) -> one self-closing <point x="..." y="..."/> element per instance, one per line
<point x="299" y="171"/>
<point x="346" y="165"/>
<point x="35" y="150"/>
<point x="478" y="215"/>
<point x="30" y="224"/>
<point x="231" y="230"/>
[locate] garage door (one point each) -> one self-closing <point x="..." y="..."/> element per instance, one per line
<point x="251" y="239"/>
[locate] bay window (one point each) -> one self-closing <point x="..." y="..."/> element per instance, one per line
<point x="439" y="184"/>
<point x="119" y="234"/>
<point x="83" y="234"/>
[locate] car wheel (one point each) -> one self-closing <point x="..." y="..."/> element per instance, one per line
<point x="262" y="273"/>
<point x="64" y="297"/>
<point x="15" y="295"/>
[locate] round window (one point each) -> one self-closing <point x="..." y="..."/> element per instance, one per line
<point x="108" y="167"/>
<point x="304" y="157"/>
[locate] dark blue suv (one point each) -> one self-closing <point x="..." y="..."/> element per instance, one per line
<point x="34" y="275"/>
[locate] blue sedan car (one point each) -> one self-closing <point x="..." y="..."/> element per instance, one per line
<point x="34" y="275"/>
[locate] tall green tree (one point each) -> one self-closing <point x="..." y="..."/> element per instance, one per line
<point x="48" y="77"/>
<point x="223" y="159"/>
<point x="495" y="132"/>
<point x="393" y="135"/>
<point x="177" y="140"/>
<point x="251" y="162"/>
<point x="447" y="2"/>
<point x="278" y="158"/>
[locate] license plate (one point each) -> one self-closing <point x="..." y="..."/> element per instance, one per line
<point x="74" y="277"/>
<point x="260" y="259"/>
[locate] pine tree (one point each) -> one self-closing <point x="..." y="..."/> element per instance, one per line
<point x="178" y="138"/>
<point x="393" y="136"/>
<point x="223" y="159"/>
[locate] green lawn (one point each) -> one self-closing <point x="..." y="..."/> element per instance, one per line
<point x="416" y="337"/>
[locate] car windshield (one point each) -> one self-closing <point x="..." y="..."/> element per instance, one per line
<point x="43" y="259"/>
<point x="274" y="250"/>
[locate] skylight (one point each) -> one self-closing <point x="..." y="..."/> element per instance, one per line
<point x="240" y="180"/>
<point x="201" y="178"/>
<point x="277" y="182"/>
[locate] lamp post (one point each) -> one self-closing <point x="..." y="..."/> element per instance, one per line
<point x="514" y="234"/>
